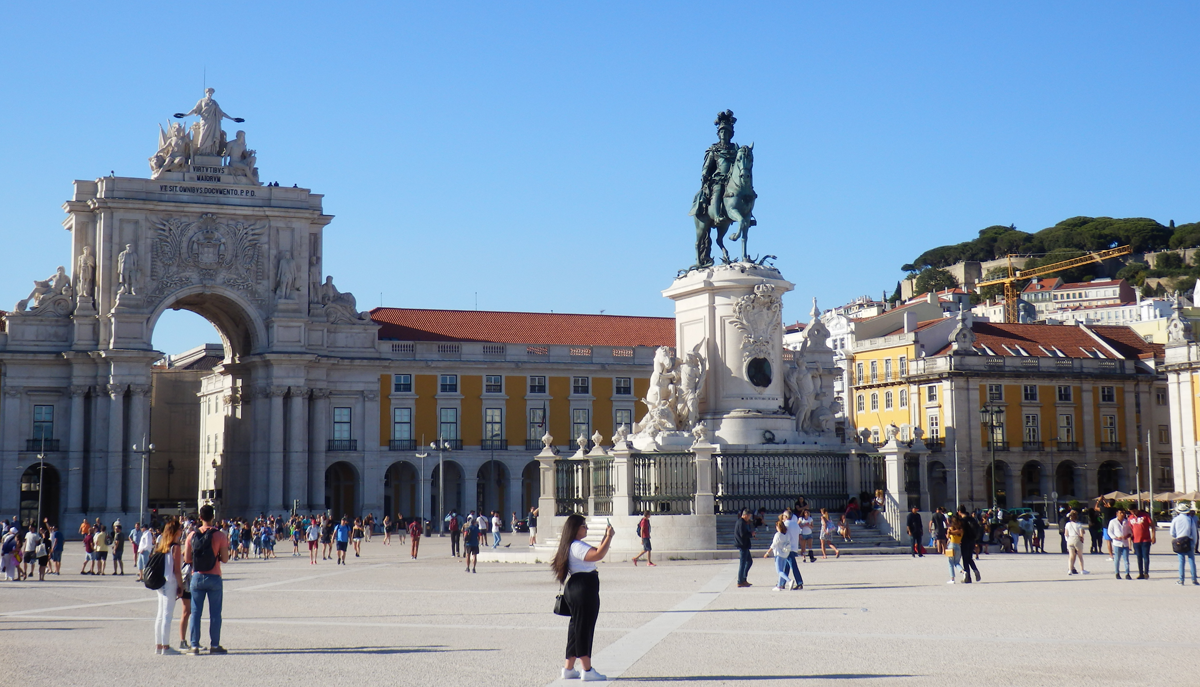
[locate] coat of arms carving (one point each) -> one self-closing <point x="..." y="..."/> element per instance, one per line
<point x="206" y="251"/>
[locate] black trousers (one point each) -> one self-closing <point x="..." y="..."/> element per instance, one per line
<point x="454" y="539"/>
<point x="582" y="594"/>
<point x="968" y="558"/>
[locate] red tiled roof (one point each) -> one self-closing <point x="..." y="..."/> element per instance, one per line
<point x="1041" y="284"/>
<point x="1089" y="284"/>
<point x="1071" y="340"/>
<point x="410" y="324"/>
<point x="920" y="325"/>
<point x="1128" y="342"/>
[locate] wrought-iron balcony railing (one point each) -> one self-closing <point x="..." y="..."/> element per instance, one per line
<point x="935" y="445"/>
<point x="533" y="444"/>
<point x="998" y="445"/>
<point x="1067" y="445"/>
<point x="495" y="444"/>
<point x="402" y="445"/>
<point x="343" y="445"/>
<point x="1032" y="446"/>
<point x="1111" y="446"/>
<point x="42" y="445"/>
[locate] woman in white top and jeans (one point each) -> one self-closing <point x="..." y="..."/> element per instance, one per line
<point x="578" y="559"/>
<point x="171" y="590"/>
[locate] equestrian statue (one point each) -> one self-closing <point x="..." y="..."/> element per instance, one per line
<point x="726" y="193"/>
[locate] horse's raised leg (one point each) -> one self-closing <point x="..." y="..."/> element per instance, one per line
<point x="721" y="229"/>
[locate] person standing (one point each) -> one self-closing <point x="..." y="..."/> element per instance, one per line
<point x="145" y="546"/>
<point x="56" y="549"/>
<point x="368" y="527"/>
<point x="483" y="522"/>
<point x="937" y="525"/>
<point x="171" y="590"/>
<point x="782" y="549"/>
<point x="30" y="553"/>
<point x="497" y="525"/>
<point x="1141" y="524"/>
<point x="806" y="532"/>
<point x="100" y="546"/>
<point x="387" y="530"/>
<point x="954" y="537"/>
<point x="312" y="535"/>
<point x="414" y="534"/>
<point x="531" y="519"/>
<point x="341" y="537"/>
<point x="1183" y="540"/>
<point x="118" y="549"/>
<point x="206" y="549"/>
<point x="743" y="532"/>
<point x="1119" y="533"/>
<point x="471" y="545"/>
<point x="356" y="534"/>
<point x="915" y="529"/>
<point x="326" y="538"/>
<point x="574" y="566"/>
<point x="827" y="534"/>
<point x="455" y="533"/>
<point x="970" y="536"/>
<point x="643" y="532"/>
<point x="1074" y="535"/>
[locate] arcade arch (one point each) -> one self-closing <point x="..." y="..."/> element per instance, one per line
<point x="341" y="490"/>
<point x="1108" y="477"/>
<point x="454" y="491"/>
<point x="491" y="488"/>
<point x="401" y="489"/>
<point x="40" y="495"/>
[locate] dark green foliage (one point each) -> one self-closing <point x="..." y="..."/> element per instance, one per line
<point x="896" y="295"/>
<point x="1085" y="272"/>
<point x="1133" y="272"/>
<point x="1168" y="261"/>
<point x="1186" y="236"/>
<point x="934" y="279"/>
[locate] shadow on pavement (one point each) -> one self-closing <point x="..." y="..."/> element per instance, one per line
<point x="370" y="650"/>
<point x="748" y="678"/>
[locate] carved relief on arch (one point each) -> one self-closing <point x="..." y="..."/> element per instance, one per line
<point x="207" y="251"/>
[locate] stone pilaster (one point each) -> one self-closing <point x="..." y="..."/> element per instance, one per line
<point x="372" y="470"/>
<point x="274" y="497"/>
<point x="75" y="452"/>
<point x="704" y="501"/>
<point x="10" y="474"/>
<point x="319" y="433"/>
<point x="297" y="457"/>
<point x="137" y="478"/>
<point x="116" y="448"/>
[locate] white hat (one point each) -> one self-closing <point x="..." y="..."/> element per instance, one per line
<point x="1184" y="507"/>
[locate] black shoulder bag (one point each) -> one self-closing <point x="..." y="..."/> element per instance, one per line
<point x="560" y="604"/>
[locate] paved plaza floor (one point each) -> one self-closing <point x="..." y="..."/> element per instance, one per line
<point x="385" y="619"/>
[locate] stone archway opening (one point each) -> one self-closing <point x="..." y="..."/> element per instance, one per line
<point x="401" y="490"/>
<point x="938" y="485"/>
<point x="1000" y="499"/>
<point x="1108" y="477"/>
<point x="1031" y="481"/>
<point x="454" y="491"/>
<point x="40" y="494"/>
<point x="341" y="490"/>
<point x="1064" y="480"/>
<point x="490" y="484"/>
<point x="530" y="486"/>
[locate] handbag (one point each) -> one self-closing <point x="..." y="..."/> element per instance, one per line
<point x="1182" y="545"/>
<point x="560" y="604"/>
<point x="39" y="551"/>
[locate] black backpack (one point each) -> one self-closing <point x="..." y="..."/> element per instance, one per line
<point x="155" y="574"/>
<point x="203" y="557"/>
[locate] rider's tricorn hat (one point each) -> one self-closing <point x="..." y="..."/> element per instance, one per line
<point x="725" y="119"/>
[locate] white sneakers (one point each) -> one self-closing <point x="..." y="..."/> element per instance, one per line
<point x="570" y="674"/>
<point x="949" y="581"/>
<point x="592" y="676"/>
<point x="777" y="589"/>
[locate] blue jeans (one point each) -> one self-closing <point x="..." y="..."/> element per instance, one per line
<point x="495" y="539"/>
<point x="781" y="567"/>
<point x="795" y="568"/>
<point x="1191" y="556"/>
<point x="206" y="587"/>
<point x="1120" y="552"/>
<point x="744" y="564"/>
<point x="1142" y="551"/>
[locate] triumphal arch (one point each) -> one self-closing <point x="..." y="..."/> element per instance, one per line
<point x="201" y="233"/>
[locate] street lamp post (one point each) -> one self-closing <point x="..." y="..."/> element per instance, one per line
<point x="442" y="446"/>
<point x="992" y="416"/>
<point x="41" y="480"/>
<point x="147" y="449"/>
<point x="421" y="488"/>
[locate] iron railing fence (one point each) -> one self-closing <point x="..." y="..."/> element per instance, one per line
<point x="602" y="487"/>
<point x="663" y="483"/>
<point x="775" y="480"/>
<point x="572" y="485"/>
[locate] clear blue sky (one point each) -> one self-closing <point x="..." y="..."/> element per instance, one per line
<point x="544" y="156"/>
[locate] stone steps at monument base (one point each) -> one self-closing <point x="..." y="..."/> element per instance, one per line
<point x="863" y="539"/>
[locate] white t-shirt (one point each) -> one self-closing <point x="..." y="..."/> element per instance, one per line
<point x="575" y="562"/>
<point x="314" y="532"/>
<point x="806" y="527"/>
<point x="169" y="572"/>
<point x="496" y="524"/>
<point x="482" y="522"/>
<point x="147" y="543"/>
<point x="793" y="533"/>
<point x="31" y="541"/>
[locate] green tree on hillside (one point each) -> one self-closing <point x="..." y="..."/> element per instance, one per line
<point x="934" y="279"/>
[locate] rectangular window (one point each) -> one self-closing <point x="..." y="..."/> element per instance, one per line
<point x="1108" y="429"/>
<point x="1160" y="397"/>
<point x="624" y="416"/>
<point x="903" y="365"/>
<point x="935" y="427"/>
<point x="1033" y="432"/>
<point x="1029" y="392"/>
<point x="874" y="371"/>
<point x="448" y="384"/>
<point x="998" y="433"/>
<point x="493" y="424"/>
<point x="995" y="392"/>
<point x="931" y="394"/>
<point x="861" y="404"/>
<point x="858" y="368"/>
<point x="341" y="424"/>
<point x="537" y="423"/>
<point x="623" y="386"/>
<point x="874" y="401"/>
<point x="1066" y="427"/>
<point x="402" y="384"/>
<point x="43" y="423"/>
<point x="904" y="398"/>
<point x="448" y="423"/>
<point x="580" y="423"/>
<point x="537" y="385"/>
<point x="1064" y="394"/>
<point x="1164" y="434"/>
<point x="887" y="400"/>
<point x="493" y="384"/>
<point x="1108" y="394"/>
<point x="887" y="370"/>
<point x="401" y="424"/>
<point x="580" y="385"/>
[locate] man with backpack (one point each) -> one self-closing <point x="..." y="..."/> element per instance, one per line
<point x="206" y="549"/>
<point x="455" y="532"/>
<point x="643" y="532"/>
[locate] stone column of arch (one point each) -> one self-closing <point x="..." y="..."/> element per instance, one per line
<point x="97" y="449"/>
<point x="297" y="455"/>
<point x="319" y="434"/>
<point x="275" y="449"/>
<point x="139" y="463"/>
<point x="10" y="474"/>
<point x="258" y="445"/>
<point x="371" y="500"/>
<point x="116" y="447"/>
<point x="75" y="451"/>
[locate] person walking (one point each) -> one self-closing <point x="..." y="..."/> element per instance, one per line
<point x="792" y="523"/>
<point x="326" y="538"/>
<point x="1183" y="540"/>
<point x="1119" y="533"/>
<point x="118" y="549"/>
<point x="915" y="529"/>
<point x="341" y="537"/>
<point x="172" y="588"/>
<point x="356" y="534"/>
<point x="100" y="547"/>
<point x="1074" y="535"/>
<point x="56" y="549"/>
<point x="743" y="532"/>
<point x="497" y="525"/>
<point x="643" y="532"/>
<point x="970" y="536"/>
<point x="531" y="520"/>
<point x="455" y="528"/>
<point x="781" y="548"/>
<point x="471" y="545"/>
<point x="827" y="529"/>
<point x="954" y="537"/>
<point x="206" y="549"/>
<point x="401" y="527"/>
<point x="312" y="535"/>
<point x="368" y="527"/>
<point x="574" y="566"/>
<point x="387" y="530"/>
<point x="1141" y="526"/>
<point x="414" y="534"/>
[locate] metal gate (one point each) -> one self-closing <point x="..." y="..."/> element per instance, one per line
<point x="663" y="483"/>
<point x="775" y="480"/>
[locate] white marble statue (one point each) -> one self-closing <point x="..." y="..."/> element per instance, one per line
<point x="174" y="150"/>
<point x="285" y="284"/>
<point x="57" y="284"/>
<point x="211" y="140"/>
<point x="691" y="373"/>
<point x="621" y="435"/>
<point x="85" y="273"/>
<point x="700" y="432"/>
<point x="661" y="398"/>
<point x="581" y="442"/>
<point x="241" y="160"/>
<point x="127" y="270"/>
<point x="314" y="277"/>
<point x="800" y="393"/>
<point x="339" y="307"/>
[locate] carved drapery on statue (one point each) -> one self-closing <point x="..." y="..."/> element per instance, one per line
<point x="673" y="399"/>
<point x="207" y="250"/>
<point x="758" y="316"/>
<point x="808" y="384"/>
<point x="340" y="307"/>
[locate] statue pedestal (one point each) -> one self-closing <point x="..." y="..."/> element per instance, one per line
<point x="734" y="313"/>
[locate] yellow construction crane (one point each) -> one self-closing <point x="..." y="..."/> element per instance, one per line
<point x="1011" y="314"/>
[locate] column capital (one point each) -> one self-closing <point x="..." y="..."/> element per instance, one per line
<point x="371" y="395"/>
<point x="140" y="389"/>
<point x="298" y="391"/>
<point x="277" y="391"/>
<point x="116" y="391"/>
<point x="261" y="391"/>
<point x="79" y="389"/>
<point x="319" y="393"/>
<point x="13" y="391"/>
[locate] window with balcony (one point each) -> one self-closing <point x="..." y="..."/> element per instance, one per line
<point x="887" y="370"/>
<point x="874" y="371"/>
<point x="903" y="365"/>
<point x="493" y="429"/>
<point x="43" y="423"/>
<point x="1064" y="394"/>
<point x="581" y="385"/>
<point x="402" y="436"/>
<point x="1108" y="433"/>
<point x="402" y="384"/>
<point x="341" y="440"/>
<point x="493" y="384"/>
<point x="537" y="385"/>
<point x="995" y="392"/>
<point x="623" y="386"/>
<point x="1108" y="394"/>
<point x="1066" y="428"/>
<point x="1033" y="432"/>
<point x="537" y="427"/>
<point x="448" y="423"/>
<point x="1029" y="392"/>
<point x="935" y="428"/>
<point x="580" y="423"/>
<point x="858" y="370"/>
<point x="448" y="384"/>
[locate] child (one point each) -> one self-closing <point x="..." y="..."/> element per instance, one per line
<point x="782" y="548"/>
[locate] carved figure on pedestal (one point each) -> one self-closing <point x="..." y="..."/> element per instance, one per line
<point x="285" y="285"/>
<point x="339" y="307"/>
<point x="241" y="160"/>
<point x="758" y="317"/>
<point x="127" y="271"/>
<point x="661" y="397"/>
<point x="1179" y="328"/>
<point x="211" y="140"/>
<point x="174" y="150"/>
<point x="692" y="371"/>
<point x="726" y="192"/>
<point x="800" y="393"/>
<point x="314" y="276"/>
<point x="45" y="292"/>
<point x="621" y="436"/>
<point x="700" y="433"/>
<point x="85" y="273"/>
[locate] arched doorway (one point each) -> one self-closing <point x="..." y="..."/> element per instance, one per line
<point x="937" y="484"/>
<point x="1031" y="481"/>
<point x="530" y="487"/>
<point x="1001" y="496"/>
<point x="454" y="491"/>
<point x="1064" y="480"/>
<point x="341" y="490"/>
<point x="47" y="488"/>
<point x="1108" y="476"/>
<point x="401" y="486"/>
<point x="490" y="488"/>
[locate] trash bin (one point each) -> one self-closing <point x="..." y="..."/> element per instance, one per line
<point x="428" y="528"/>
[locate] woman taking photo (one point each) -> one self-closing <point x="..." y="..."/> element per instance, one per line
<point x="577" y="559"/>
